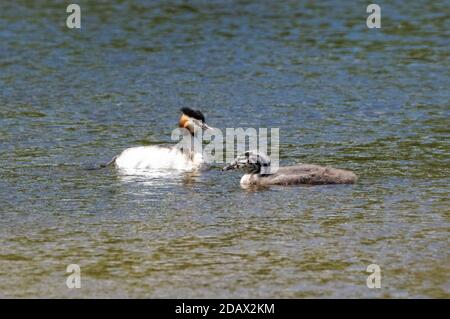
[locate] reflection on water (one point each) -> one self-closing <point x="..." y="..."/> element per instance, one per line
<point x="157" y="177"/>
<point x="372" y="101"/>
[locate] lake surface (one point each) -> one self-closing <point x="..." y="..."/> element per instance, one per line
<point x="375" y="101"/>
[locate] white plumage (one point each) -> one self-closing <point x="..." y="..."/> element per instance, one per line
<point x="156" y="157"/>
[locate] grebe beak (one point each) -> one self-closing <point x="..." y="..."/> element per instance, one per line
<point x="202" y="125"/>
<point x="206" y="127"/>
<point x="230" y="166"/>
<point x="239" y="162"/>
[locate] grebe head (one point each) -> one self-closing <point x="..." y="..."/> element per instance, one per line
<point x="252" y="162"/>
<point x="192" y="120"/>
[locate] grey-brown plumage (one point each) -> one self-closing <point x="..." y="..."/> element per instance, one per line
<point x="259" y="172"/>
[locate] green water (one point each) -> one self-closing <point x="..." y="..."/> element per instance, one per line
<point x="373" y="101"/>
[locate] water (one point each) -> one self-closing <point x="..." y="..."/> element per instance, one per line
<point x="373" y="101"/>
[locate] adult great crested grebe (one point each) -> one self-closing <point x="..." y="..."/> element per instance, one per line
<point x="169" y="157"/>
<point x="259" y="173"/>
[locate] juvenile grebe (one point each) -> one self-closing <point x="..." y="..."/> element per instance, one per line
<point x="171" y="157"/>
<point x="259" y="173"/>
